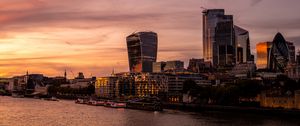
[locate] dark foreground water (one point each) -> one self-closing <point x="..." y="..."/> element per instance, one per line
<point x="35" y="112"/>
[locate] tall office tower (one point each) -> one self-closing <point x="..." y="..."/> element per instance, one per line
<point x="292" y="52"/>
<point x="279" y="55"/>
<point x="263" y="51"/>
<point x="142" y="51"/>
<point x="242" y="41"/>
<point x="218" y="38"/>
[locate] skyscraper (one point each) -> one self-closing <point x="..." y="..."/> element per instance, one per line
<point x="142" y="51"/>
<point x="263" y="50"/>
<point x="210" y="20"/>
<point x="279" y="55"/>
<point x="292" y="52"/>
<point x="242" y="41"/>
<point x="218" y="38"/>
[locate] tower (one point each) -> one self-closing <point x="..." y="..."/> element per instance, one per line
<point x="218" y="38"/>
<point x="142" y="51"/>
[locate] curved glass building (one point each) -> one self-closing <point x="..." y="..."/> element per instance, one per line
<point x="142" y="51"/>
<point x="279" y="55"/>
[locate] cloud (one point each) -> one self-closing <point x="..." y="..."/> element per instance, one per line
<point x="45" y="35"/>
<point x="255" y="2"/>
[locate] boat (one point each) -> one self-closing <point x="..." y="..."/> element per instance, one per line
<point x="118" y="105"/>
<point x="108" y="103"/>
<point x="150" y="104"/>
<point x="98" y="103"/>
<point x="80" y="101"/>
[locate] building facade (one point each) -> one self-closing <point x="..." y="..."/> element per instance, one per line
<point x="262" y="51"/>
<point x="218" y="38"/>
<point x="168" y="65"/>
<point x="105" y="87"/>
<point x="210" y="20"/>
<point x="199" y="66"/>
<point x="158" y="67"/>
<point x="243" y="53"/>
<point x="279" y="56"/>
<point x="292" y="52"/>
<point x="176" y="82"/>
<point x="125" y="86"/>
<point x="142" y="51"/>
<point x="149" y="84"/>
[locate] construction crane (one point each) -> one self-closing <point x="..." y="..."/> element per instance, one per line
<point x="73" y="74"/>
<point x="203" y="8"/>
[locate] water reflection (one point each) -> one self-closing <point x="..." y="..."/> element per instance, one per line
<point x="15" y="111"/>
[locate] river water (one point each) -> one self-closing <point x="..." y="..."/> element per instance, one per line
<point x="35" y="112"/>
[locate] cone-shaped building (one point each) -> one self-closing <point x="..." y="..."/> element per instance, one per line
<point x="279" y="54"/>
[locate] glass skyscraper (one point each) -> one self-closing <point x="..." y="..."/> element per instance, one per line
<point x="279" y="55"/>
<point x="218" y="38"/>
<point x="142" y="51"/>
<point x="243" y="53"/>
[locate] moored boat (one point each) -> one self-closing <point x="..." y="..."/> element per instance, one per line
<point x="150" y="104"/>
<point x="98" y="103"/>
<point x="118" y="105"/>
<point x="80" y="101"/>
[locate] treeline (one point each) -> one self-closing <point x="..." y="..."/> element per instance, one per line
<point x="230" y="94"/>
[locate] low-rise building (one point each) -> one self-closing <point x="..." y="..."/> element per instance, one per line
<point x="283" y="101"/>
<point x="199" y="66"/>
<point x="125" y="85"/>
<point x="244" y="70"/>
<point x="105" y="87"/>
<point x="176" y="82"/>
<point x="149" y="84"/>
<point x="159" y="67"/>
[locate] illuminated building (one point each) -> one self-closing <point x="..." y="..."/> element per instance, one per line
<point x="105" y="87"/>
<point x="147" y="84"/>
<point x="142" y="51"/>
<point x="279" y="55"/>
<point x="263" y="49"/>
<point x="210" y="20"/>
<point x="125" y="86"/>
<point x="218" y="38"/>
<point x="242" y="41"/>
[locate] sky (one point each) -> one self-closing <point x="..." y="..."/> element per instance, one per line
<point x="49" y="36"/>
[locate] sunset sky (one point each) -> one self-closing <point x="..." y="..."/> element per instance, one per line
<point x="48" y="36"/>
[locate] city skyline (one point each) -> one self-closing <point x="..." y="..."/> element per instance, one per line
<point x="48" y="37"/>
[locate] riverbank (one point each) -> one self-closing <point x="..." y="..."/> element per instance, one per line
<point x="228" y="109"/>
<point x="34" y="112"/>
<point x="234" y="109"/>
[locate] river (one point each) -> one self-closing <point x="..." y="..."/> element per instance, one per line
<point x="35" y="112"/>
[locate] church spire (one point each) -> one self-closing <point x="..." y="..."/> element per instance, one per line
<point x="65" y="74"/>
